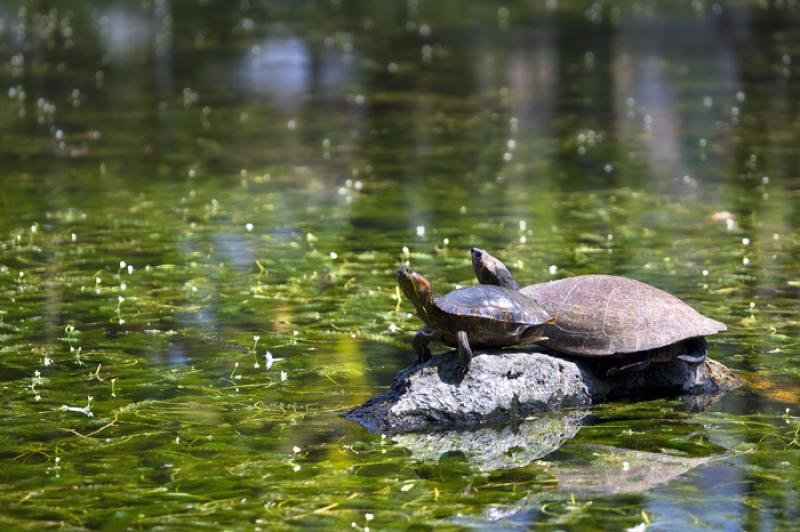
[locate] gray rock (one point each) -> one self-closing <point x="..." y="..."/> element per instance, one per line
<point x="511" y="385"/>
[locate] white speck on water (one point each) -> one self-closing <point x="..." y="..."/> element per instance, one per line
<point x="269" y="359"/>
<point x="730" y="224"/>
<point x="462" y="209"/>
<point x="121" y="299"/>
<point x="608" y="168"/>
<point x="370" y="517"/>
<point x="393" y="328"/>
<point x="87" y="410"/>
<point x="776" y="236"/>
<point x="523" y="239"/>
<point x="703" y="143"/>
<point x="745" y="241"/>
<point x="705" y="273"/>
<point x="425" y="30"/>
<point x="553" y="269"/>
<point x="122" y="265"/>
<point x="130" y="269"/>
<point x="745" y="261"/>
<point x="523" y="225"/>
<point x="284" y="376"/>
<point x="427" y="53"/>
<point x="708" y="101"/>
<point x="511" y="144"/>
<point x="249" y="228"/>
<point x="407" y="487"/>
<point x="73" y="237"/>
<point x="123" y="286"/>
<point x="291" y="124"/>
<point x="420" y="230"/>
<point x="392" y="67"/>
<point x="752" y="304"/>
<point x="787" y="59"/>
<point x="296" y="449"/>
<point x="334" y="255"/>
<point x="740" y="96"/>
<point x="406" y="251"/>
<point x="360" y="99"/>
<point x="765" y="180"/>
<point x="507" y="156"/>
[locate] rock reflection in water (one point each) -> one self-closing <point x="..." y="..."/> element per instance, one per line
<point x="492" y="448"/>
<point x="590" y="470"/>
<point x="606" y="469"/>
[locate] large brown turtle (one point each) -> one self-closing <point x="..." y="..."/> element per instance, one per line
<point x="629" y="323"/>
<point x="480" y="316"/>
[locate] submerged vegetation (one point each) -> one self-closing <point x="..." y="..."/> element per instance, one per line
<point x="203" y="207"/>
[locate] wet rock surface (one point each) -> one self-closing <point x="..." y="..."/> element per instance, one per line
<point x="511" y="385"/>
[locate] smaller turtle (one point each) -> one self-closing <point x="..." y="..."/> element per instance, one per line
<point x="480" y="316"/>
<point x="626" y="323"/>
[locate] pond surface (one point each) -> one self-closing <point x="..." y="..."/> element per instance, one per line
<point x="204" y="203"/>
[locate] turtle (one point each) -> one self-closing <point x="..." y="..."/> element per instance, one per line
<point x="627" y="323"/>
<point x="480" y="316"/>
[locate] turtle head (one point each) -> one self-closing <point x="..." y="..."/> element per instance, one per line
<point x="415" y="287"/>
<point x="490" y="270"/>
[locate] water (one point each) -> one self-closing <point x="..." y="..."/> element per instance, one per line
<point x="187" y="186"/>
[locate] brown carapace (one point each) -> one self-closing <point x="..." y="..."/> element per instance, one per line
<point x="630" y="323"/>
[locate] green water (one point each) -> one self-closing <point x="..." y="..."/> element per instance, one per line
<point x="187" y="185"/>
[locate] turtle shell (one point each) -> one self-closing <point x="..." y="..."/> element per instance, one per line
<point x="493" y="303"/>
<point x="598" y="315"/>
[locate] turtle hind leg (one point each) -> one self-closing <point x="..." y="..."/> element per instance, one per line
<point x="420" y="344"/>
<point x="638" y="365"/>
<point x="464" y="353"/>
<point x="696" y="351"/>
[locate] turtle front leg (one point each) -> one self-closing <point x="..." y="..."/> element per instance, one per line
<point x="420" y="342"/>
<point x="464" y="353"/>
